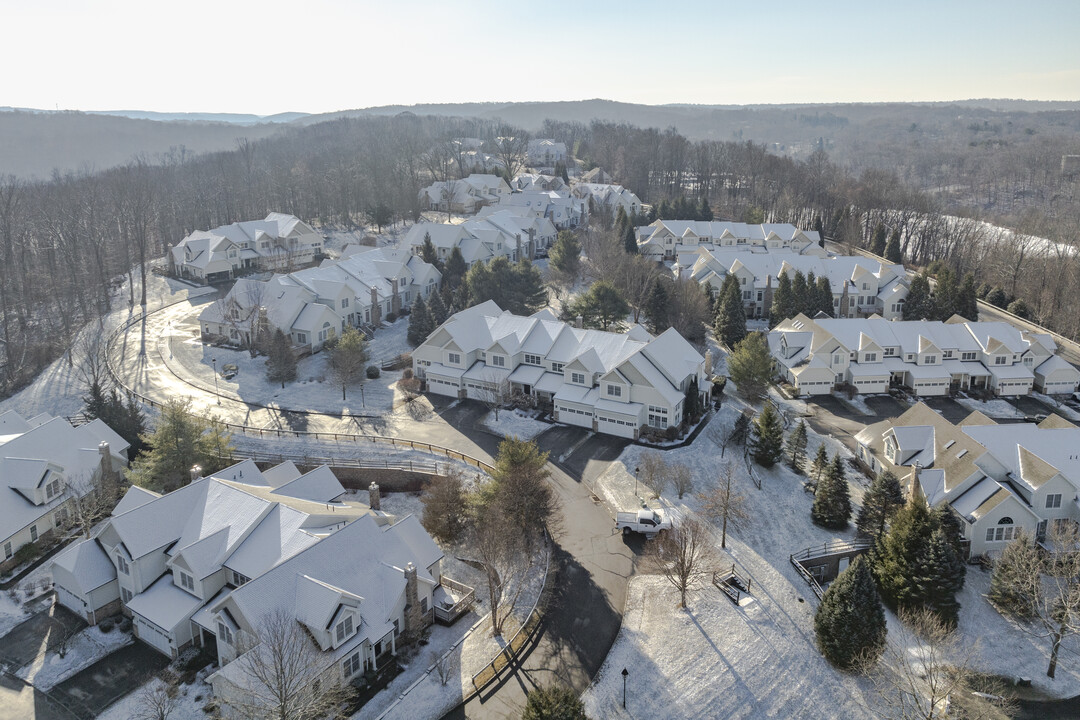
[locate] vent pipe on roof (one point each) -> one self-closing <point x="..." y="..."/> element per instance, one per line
<point x="374" y="501"/>
<point x="196" y="472"/>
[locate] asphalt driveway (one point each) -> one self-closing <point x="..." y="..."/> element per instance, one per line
<point x="950" y="409"/>
<point x="88" y="693"/>
<point x="34" y="636"/>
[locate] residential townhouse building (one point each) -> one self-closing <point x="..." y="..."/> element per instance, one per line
<point x="464" y="196"/>
<point x="311" y="306"/>
<point x="206" y="564"/>
<point x="861" y="287"/>
<point x="564" y="210"/>
<point x="608" y="382"/>
<point x="280" y="242"/>
<point x="496" y="231"/>
<point x="45" y="464"/>
<point x="929" y="358"/>
<point x="665" y="240"/>
<point x="546" y="153"/>
<point x="998" y="479"/>
<point x="537" y="181"/>
<point x="609" y="197"/>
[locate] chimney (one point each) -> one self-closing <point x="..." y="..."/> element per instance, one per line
<point x="915" y="490"/>
<point x="374" y="501"/>
<point x="579" y="321"/>
<point x="376" y="311"/>
<point x="196" y="472"/>
<point x="414" y="616"/>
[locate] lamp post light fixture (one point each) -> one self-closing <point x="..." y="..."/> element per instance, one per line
<point x="214" y="360"/>
<point x="625" y="672"/>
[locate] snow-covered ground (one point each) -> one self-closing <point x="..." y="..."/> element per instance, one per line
<point x="519" y="423"/>
<point x="190" y="701"/>
<point x="994" y="407"/>
<point x="85" y="648"/>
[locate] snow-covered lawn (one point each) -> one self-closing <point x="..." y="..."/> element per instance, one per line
<point x="190" y="700"/>
<point x="84" y="649"/>
<point x="994" y="407"/>
<point x="714" y="659"/>
<point x="1059" y="407"/>
<point x="520" y="423"/>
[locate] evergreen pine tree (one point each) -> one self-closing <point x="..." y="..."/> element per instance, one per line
<point x="850" y="622"/>
<point x="877" y="244"/>
<point x="967" y="301"/>
<point x="280" y="359"/>
<point x="704" y="211"/>
<point x="832" y="501"/>
<point x="997" y="297"/>
<point x="124" y="417"/>
<point x="454" y="274"/>
<point x="553" y="702"/>
<point x="820" y="466"/>
<point x="566" y="255"/>
<point x="824" y="297"/>
<point x="180" y="440"/>
<point x="657" y="306"/>
<point x="800" y="294"/>
<point x="810" y="308"/>
<point x="919" y="304"/>
<point x="1019" y="308"/>
<point x="880" y="502"/>
<point x="420" y="324"/>
<point x="1010" y="581"/>
<point x="893" y="252"/>
<point x="783" y="302"/>
<point x="767" y="437"/>
<point x="527" y="292"/>
<point x="730" y="325"/>
<point x="621" y="221"/>
<point x="796" y="447"/>
<point x="942" y="577"/>
<point x="945" y="295"/>
<point x="750" y="366"/>
<point x="692" y="405"/>
<point x="436" y="310"/>
<point x="428" y="253"/>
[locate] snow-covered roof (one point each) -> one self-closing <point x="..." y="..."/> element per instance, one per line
<point x="164" y="604"/>
<point x="87" y="563"/>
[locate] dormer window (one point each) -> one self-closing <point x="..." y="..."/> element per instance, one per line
<point x="187" y="582"/>
<point x="344" y="628"/>
<point x="498" y="361"/>
<point x="614" y="391"/>
<point x="453" y="358"/>
<point x="577" y="378"/>
<point x="52" y="489"/>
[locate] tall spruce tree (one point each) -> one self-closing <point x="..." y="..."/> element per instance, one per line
<point x="880" y="239"/>
<point x="566" y="255"/>
<point x="967" y="301"/>
<point x="920" y="303"/>
<point x="824" y="297"/>
<point x="820" y="466"/>
<point x="942" y="577"/>
<point x="767" y="437"/>
<point x="893" y="252"/>
<point x="750" y="366"/>
<point x="880" y="503"/>
<point x="704" y="211"/>
<point x="1010" y="583"/>
<point x="428" y="253"/>
<point x="658" y="305"/>
<point x="850" y="622"/>
<point x="796" y="447"/>
<point x="730" y="325"/>
<point x="124" y="417"/>
<point x="420" y="323"/>
<point x="629" y="239"/>
<point x="832" y="501"/>
<point x="280" y="359"/>
<point x="783" y="302"/>
<point x="945" y="294"/>
<point x="454" y="273"/>
<point x="800" y="294"/>
<point x="437" y="310"/>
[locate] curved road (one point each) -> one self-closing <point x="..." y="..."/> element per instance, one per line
<point x="594" y="563"/>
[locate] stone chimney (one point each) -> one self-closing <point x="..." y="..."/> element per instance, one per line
<point x="708" y="362"/>
<point x="196" y="472"/>
<point x="415" y="619"/>
<point x="376" y="311"/>
<point x="374" y="501"/>
<point x="579" y="321"/>
<point x="915" y="490"/>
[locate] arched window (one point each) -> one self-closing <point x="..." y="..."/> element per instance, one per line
<point x="1005" y="521"/>
<point x="1004" y="532"/>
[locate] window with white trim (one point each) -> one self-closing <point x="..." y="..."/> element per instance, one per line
<point x="351" y="666"/>
<point x="344" y="628"/>
<point x="498" y="360"/>
<point x="7" y="551"/>
<point x="122" y="565"/>
<point x="52" y="489"/>
<point x="453" y="358"/>
<point x="225" y="633"/>
<point x="614" y="391"/>
<point x="532" y="359"/>
<point x="967" y="356"/>
<point x="1000" y="360"/>
<point x="126" y="595"/>
<point x="1053" y="501"/>
<point x="871" y="357"/>
<point x="187" y="582"/>
<point x="557" y="367"/>
<point x="578" y="378"/>
<point x="33" y="533"/>
<point x="238" y="579"/>
<point x="1004" y="532"/>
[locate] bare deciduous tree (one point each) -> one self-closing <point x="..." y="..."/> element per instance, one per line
<point x="494" y="392"/>
<point x="158" y="699"/>
<point x="725" y="505"/>
<point x="925" y="669"/>
<point x="92" y="498"/>
<point x="681" y="478"/>
<point x="501" y="547"/>
<point x="445" y="666"/>
<point x="284" y="674"/>
<point x="653" y="472"/>
<point x="684" y="555"/>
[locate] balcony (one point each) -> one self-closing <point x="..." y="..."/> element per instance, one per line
<point x="452" y="600"/>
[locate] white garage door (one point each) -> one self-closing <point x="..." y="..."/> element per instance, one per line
<point x="931" y="388"/>
<point x="574" y="416"/>
<point x="820" y="387"/>
<point x="612" y="426"/>
<point x="152" y="636"/>
<point x="476" y="391"/>
<point x="442" y="387"/>
<point x="70" y="600"/>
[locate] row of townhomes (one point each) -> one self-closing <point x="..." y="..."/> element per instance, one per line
<point x="667" y="240"/>
<point x="498" y="231"/>
<point x="464" y="196"/>
<point x="608" y="196"/>
<point x="873" y="354"/>
<point x="861" y="287"/>
<point x="211" y="563"/>
<point x="545" y="153"/>
<point x="529" y="195"/>
<point x="45" y="463"/>
<point x="280" y="242"/>
<point x="313" y="305"/>
<point x="999" y="479"/>
<point x="615" y="383"/>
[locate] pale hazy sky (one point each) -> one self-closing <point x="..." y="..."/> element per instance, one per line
<point x="324" y="55"/>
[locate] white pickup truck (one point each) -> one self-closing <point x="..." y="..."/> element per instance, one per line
<point x="647" y="522"/>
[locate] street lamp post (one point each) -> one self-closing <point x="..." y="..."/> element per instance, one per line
<point x="214" y="360"/>
<point x="635" y="495"/>
<point x="625" y="672"/>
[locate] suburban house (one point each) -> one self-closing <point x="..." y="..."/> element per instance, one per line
<point x="537" y="181"/>
<point x="998" y="479"/>
<point x="597" y="175"/>
<point x="464" y="196"/>
<point x="667" y="239"/>
<point x="45" y="463"/>
<point x="313" y="305"/>
<point x="614" y="383"/>
<point x="545" y="153"/>
<point x="564" y="210"/>
<point x="869" y="355"/>
<point x="860" y="286"/>
<point x="610" y="197"/>
<point x="277" y="243"/>
<point x="496" y="231"/>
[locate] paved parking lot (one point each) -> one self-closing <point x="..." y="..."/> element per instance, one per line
<point x="886" y="406"/>
<point x="950" y="409"/>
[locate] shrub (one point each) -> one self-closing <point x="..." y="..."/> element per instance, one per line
<point x="107" y="624"/>
<point x="27" y="552"/>
<point x="391" y="317"/>
<point x="407" y="374"/>
<point x="372" y="372"/>
<point x="672" y="432"/>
